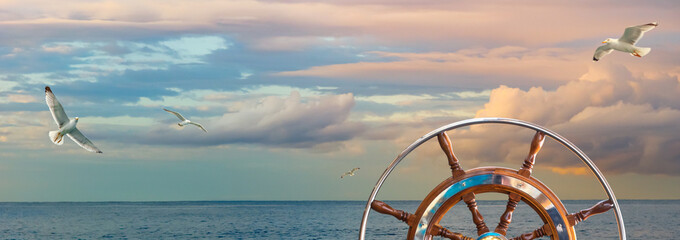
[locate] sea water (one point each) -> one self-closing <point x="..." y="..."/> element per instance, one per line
<point x="648" y="219"/>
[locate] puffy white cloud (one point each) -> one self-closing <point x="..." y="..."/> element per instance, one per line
<point x="624" y="123"/>
<point x="625" y="120"/>
<point x="629" y="137"/>
<point x="293" y="121"/>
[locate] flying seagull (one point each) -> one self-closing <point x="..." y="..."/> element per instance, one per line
<point x="184" y="120"/>
<point x="349" y="173"/>
<point x="626" y="43"/>
<point x="66" y="127"/>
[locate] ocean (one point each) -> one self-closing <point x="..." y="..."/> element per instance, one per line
<point x="645" y="219"/>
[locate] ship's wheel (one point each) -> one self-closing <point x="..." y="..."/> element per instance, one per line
<point x="518" y="185"/>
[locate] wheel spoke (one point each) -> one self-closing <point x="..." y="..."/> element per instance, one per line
<point x="447" y="147"/>
<point x="506" y="218"/>
<point x="598" y="208"/>
<point x="443" y="232"/>
<point x="477" y="218"/>
<point x="404" y="216"/>
<point x="536" y="145"/>
<point x="542" y="231"/>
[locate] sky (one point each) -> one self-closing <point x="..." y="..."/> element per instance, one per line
<point x="295" y="93"/>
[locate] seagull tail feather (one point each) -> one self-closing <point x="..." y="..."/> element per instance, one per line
<point x="56" y="138"/>
<point x="643" y="51"/>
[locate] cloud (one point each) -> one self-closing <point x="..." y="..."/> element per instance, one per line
<point x="120" y="71"/>
<point x="257" y="21"/>
<point x="368" y="48"/>
<point x="624" y="117"/>
<point x="26" y="130"/>
<point x="287" y="43"/>
<point x="122" y="120"/>
<point x="629" y="137"/>
<point x="433" y="23"/>
<point x="63" y="49"/>
<point x="114" y="57"/>
<point x="3" y="134"/>
<point x="571" y="171"/>
<point x="466" y="68"/>
<point x="20" y="98"/>
<point x="293" y="121"/>
<point x="623" y="122"/>
<point x="398" y="99"/>
<point x="304" y="38"/>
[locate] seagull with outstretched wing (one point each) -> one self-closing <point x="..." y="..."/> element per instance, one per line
<point x="185" y="121"/>
<point x="67" y="127"/>
<point x="626" y="43"/>
<point x="350" y="172"/>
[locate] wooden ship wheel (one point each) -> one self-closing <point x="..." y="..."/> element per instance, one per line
<point x="518" y="185"/>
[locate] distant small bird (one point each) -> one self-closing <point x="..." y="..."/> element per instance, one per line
<point x="626" y="43"/>
<point x="66" y="127"/>
<point x="184" y="120"/>
<point x="350" y="172"/>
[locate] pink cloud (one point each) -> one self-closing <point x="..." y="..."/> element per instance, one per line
<point x="624" y="123"/>
<point x="488" y="67"/>
<point x="535" y="23"/>
<point x="19" y="98"/>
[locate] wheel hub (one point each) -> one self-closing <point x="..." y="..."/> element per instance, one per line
<point x="491" y="236"/>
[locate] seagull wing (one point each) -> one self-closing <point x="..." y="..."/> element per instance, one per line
<point x="355" y="169"/>
<point x="81" y="140"/>
<point x="633" y="34"/>
<point x="176" y="114"/>
<point x="601" y="51"/>
<point x="198" y="125"/>
<point x="55" y="108"/>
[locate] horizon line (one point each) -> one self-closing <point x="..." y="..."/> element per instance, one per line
<point x="177" y="201"/>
